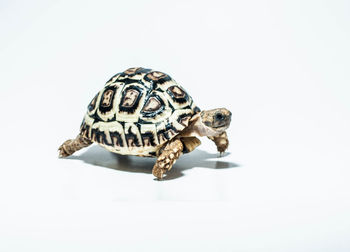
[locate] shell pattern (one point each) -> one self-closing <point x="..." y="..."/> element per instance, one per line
<point x="137" y="111"/>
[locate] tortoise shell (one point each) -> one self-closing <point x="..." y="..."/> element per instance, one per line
<point x="138" y="111"/>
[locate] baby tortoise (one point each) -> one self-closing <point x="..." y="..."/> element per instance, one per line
<point x="146" y="113"/>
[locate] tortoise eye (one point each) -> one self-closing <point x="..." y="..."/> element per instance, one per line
<point x="219" y="117"/>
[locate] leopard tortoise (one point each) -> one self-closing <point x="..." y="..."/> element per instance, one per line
<point x="146" y="113"/>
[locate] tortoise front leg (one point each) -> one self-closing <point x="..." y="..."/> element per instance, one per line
<point x="221" y="141"/>
<point x="167" y="158"/>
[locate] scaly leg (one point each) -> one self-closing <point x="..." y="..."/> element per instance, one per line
<point x="190" y="143"/>
<point x="221" y="141"/>
<point x="72" y="145"/>
<point x="167" y="158"/>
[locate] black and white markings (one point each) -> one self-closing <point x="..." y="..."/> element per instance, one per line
<point x="85" y="130"/>
<point x="113" y="78"/>
<point x="137" y="111"/>
<point x="130" y="99"/>
<point x="132" y="135"/>
<point x="149" y="135"/>
<point x="106" y="101"/>
<point x="178" y="94"/>
<point x="153" y="106"/>
<point x="116" y="139"/>
<point x="92" y="104"/>
<point x="148" y="139"/>
<point x="184" y="119"/>
<point x="165" y="131"/>
<point x="156" y="77"/>
<point x="136" y="70"/>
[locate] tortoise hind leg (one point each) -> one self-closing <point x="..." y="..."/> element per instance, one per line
<point x="72" y="145"/>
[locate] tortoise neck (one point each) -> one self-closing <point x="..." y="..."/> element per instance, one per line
<point x="197" y="128"/>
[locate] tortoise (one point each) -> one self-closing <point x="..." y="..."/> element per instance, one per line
<point x="146" y="113"/>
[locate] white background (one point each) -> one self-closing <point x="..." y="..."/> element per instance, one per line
<point x="281" y="67"/>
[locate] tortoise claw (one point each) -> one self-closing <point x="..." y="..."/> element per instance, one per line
<point x="158" y="173"/>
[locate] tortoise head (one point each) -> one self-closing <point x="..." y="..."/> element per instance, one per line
<point x="216" y="120"/>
